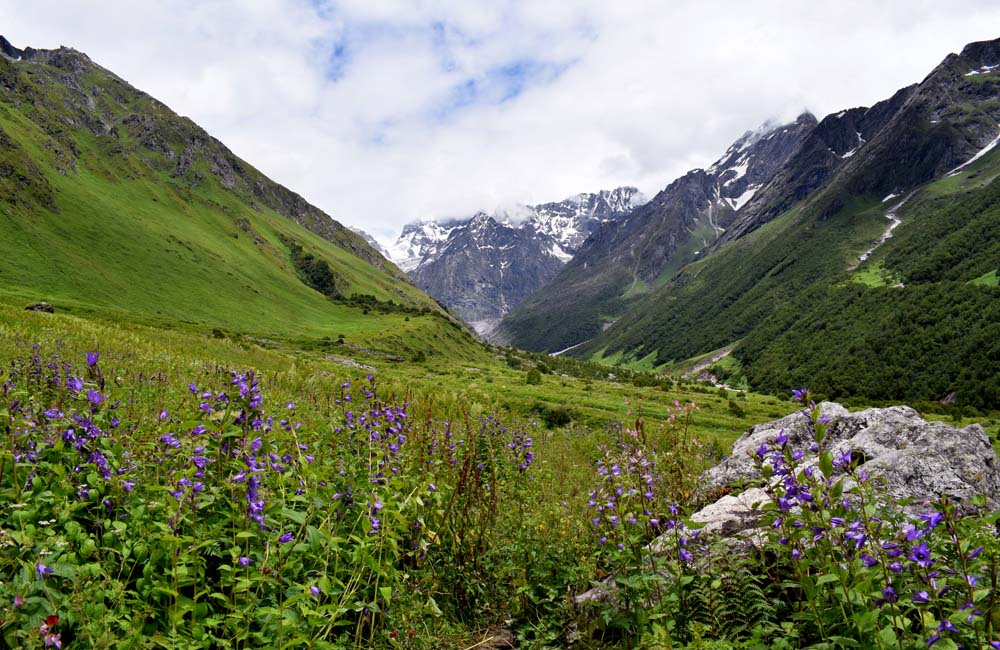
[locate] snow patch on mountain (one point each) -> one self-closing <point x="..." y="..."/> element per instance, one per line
<point x="485" y="265"/>
<point x="982" y="152"/>
<point x="567" y="223"/>
<point x="417" y="241"/>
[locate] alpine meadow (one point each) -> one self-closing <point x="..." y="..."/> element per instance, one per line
<point x="757" y="407"/>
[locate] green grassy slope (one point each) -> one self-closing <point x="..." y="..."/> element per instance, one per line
<point x="933" y="332"/>
<point x="717" y="300"/>
<point x="114" y="206"/>
<point x="481" y="385"/>
<point x="807" y="316"/>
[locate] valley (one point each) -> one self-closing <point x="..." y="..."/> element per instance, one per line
<point x="611" y="421"/>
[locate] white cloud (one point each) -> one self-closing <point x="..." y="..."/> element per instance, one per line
<point x="442" y="108"/>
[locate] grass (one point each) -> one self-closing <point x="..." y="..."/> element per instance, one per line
<point x="125" y="237"/>
<point x="987" y="279"/>
<point x="452" y="385"/>
<point x="875" y="275"/>
<point x="540" y="546"/>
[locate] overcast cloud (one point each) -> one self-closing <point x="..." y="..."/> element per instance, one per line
<point x="382" y="112"/>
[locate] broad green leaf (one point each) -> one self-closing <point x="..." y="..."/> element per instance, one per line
<point x="826" y="463"/>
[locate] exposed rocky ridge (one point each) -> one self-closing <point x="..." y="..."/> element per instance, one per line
<point x="628" y="256"/>
<point x="420" y="240"/>
<point x="919" y="461"/>
<point x="484" y="266"/>
<point x="920" y="133"/>
<point x="373" y="243"/>
<point x="830" y="197"/>
<point x="126" y="120"/>
<point x="830" y="145"/>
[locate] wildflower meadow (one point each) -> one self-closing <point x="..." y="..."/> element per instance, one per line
<point x="218" y="510"/>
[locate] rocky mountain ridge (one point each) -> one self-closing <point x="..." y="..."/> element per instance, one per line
<point x="115" y="205"/>
<point x="485" y="265"/>
<point x="806" y="285"/>
<point x="630" y="256"/>
<point x="179" y="146"/>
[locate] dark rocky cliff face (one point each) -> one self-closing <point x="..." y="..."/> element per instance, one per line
<point x="920" y="133"/>
<point x="486" y="268"/>
<point x="629" y="256"/>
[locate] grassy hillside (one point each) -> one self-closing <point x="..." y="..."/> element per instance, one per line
<point x="929" y="331"/>
<point x="807" y="312"/>
<point x="116" y="207"/>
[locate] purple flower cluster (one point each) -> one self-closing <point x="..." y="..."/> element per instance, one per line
<point x="78" y="415"/>
<point x="832" y="513"/>
<point x="520" y="448"/>
<point x="626" y="498"/>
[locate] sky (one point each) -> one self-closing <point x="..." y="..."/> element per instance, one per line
<point x="382" y="112"/>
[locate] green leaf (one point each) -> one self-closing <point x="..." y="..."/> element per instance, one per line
<point x="386" y="593"/>
<point x="826" y="463"/>
<point x="431" y="607"/>
<point x="820" y="433"/>
<point x="294" y="515"/>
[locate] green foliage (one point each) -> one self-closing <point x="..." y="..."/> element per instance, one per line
<point x="209" y="521"/>
<point x="917" y="322"/>
<point x="554" y="417"/>
<point x="536" y="544"/>
<point x="924" y="342"/>
<point x="989" y="279"/>
<point x="718" y="300"/>
<point x="314" y="272"/>
<point x="730" y="601"/>
<point x="857" y="574"/>
<point x="533" y="377"/>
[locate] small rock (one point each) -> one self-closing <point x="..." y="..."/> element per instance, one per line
<point x="732" y="513"/>
<point x="41" y="306"/>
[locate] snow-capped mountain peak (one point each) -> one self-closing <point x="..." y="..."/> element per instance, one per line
<point x="484" y="265"/>
<point x="417" y="240"/>
<point x="746" y="165"/>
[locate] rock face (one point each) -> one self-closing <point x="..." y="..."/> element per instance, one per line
<point x="919" y="460"/>
<point x="920" y="133"/>
<point x="487" y="267"/>
<point x="484" y="266"/>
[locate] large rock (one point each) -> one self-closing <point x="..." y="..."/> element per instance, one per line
<point x="918" y="460"/>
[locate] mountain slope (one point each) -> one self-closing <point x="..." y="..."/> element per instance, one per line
<point x="484" y="266"/>
<point x="114" y="205"/>
<point x="791" y="285"/>
<point x="629" y="257"/>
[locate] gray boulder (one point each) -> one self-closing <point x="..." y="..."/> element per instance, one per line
<point x="918" y="461"/>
